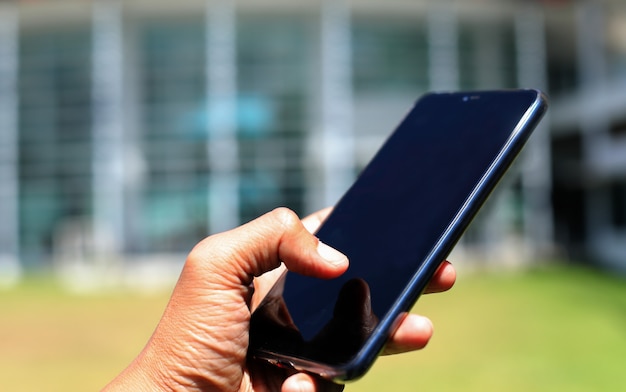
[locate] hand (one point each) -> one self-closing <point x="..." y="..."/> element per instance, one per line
<point x="201" y="342"/>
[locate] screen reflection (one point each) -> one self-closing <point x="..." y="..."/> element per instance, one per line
<point x="351" y="323"/>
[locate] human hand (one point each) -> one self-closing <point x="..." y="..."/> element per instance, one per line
<point x="201" y="342"/>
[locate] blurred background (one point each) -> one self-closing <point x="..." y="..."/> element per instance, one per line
<point x="131" y="129"/>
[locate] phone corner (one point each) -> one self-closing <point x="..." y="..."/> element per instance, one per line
<point x="542" y="97"/>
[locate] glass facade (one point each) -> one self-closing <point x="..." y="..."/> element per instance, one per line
<point x="167" y="210"/>
<point x="168" y="122"/>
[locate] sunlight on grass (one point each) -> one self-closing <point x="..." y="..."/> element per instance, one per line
<point x="559" y="328"/>
<point x="55" y="341"/>
<point x="555" y="329"/>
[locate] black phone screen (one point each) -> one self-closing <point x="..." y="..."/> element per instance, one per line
<point x="388" y="222"/>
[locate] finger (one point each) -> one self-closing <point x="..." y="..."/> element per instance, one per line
<point x="443" y="279"/>
<point x="413" y="333"/>
<point x="314" y="221"/>
<point x="267" y="280"/>
<point x="301" y="382"/>
<point x="260" y="246"/>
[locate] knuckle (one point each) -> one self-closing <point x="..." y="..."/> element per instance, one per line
<point x="286" y="218"/>
<point x="197" y="255"/>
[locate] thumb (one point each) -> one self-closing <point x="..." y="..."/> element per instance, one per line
<point x="259" y="246"/>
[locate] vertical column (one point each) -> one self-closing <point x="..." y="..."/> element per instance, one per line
<point x="9" y="146"/>
<point x="135" y="165"/>
<point x="108" y="127"/>
<point x="536" y="174"/>
<point x="443" y="51"/>
<point x="336" y="128"/>
<point x="590" y="25"/>
<point x="488" y="58"/>
<point x="222" y="147"/>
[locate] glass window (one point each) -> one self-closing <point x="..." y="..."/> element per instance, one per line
<point x="390" y="56"/>
<point x="616" y="43"/>
<point x="274" y="73"/>
<point x="487" y="55"/>
<point x="618" y="201"/>
<point x="54" y="137"/>
<point x="173" y="87"/>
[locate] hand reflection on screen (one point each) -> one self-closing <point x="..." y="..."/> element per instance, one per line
<point x="352" y="323"/>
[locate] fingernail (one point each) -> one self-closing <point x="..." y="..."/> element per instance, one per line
<point x="331" y="255"/>
<point x="297" y="384"/>
<point x="425" y="324"/>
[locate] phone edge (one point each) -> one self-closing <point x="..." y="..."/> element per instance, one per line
<point x="360" y="363"/>
<point x="448" y="240"/>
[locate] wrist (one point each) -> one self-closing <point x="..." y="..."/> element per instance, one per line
<point x="143" y="374"/>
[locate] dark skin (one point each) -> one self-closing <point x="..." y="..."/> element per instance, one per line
<point x="201" y="342"/>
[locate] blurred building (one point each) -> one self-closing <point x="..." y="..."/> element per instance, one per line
<point x="137" y="127"/>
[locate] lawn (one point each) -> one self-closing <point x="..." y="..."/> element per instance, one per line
<point x="558" y="328"/>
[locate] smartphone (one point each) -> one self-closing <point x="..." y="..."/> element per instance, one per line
<point x="396" y="224"/>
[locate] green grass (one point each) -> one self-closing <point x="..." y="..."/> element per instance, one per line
<point x="54" y="341"/>
<point x="554" y="329"/>
<point x="559" y="328"/>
